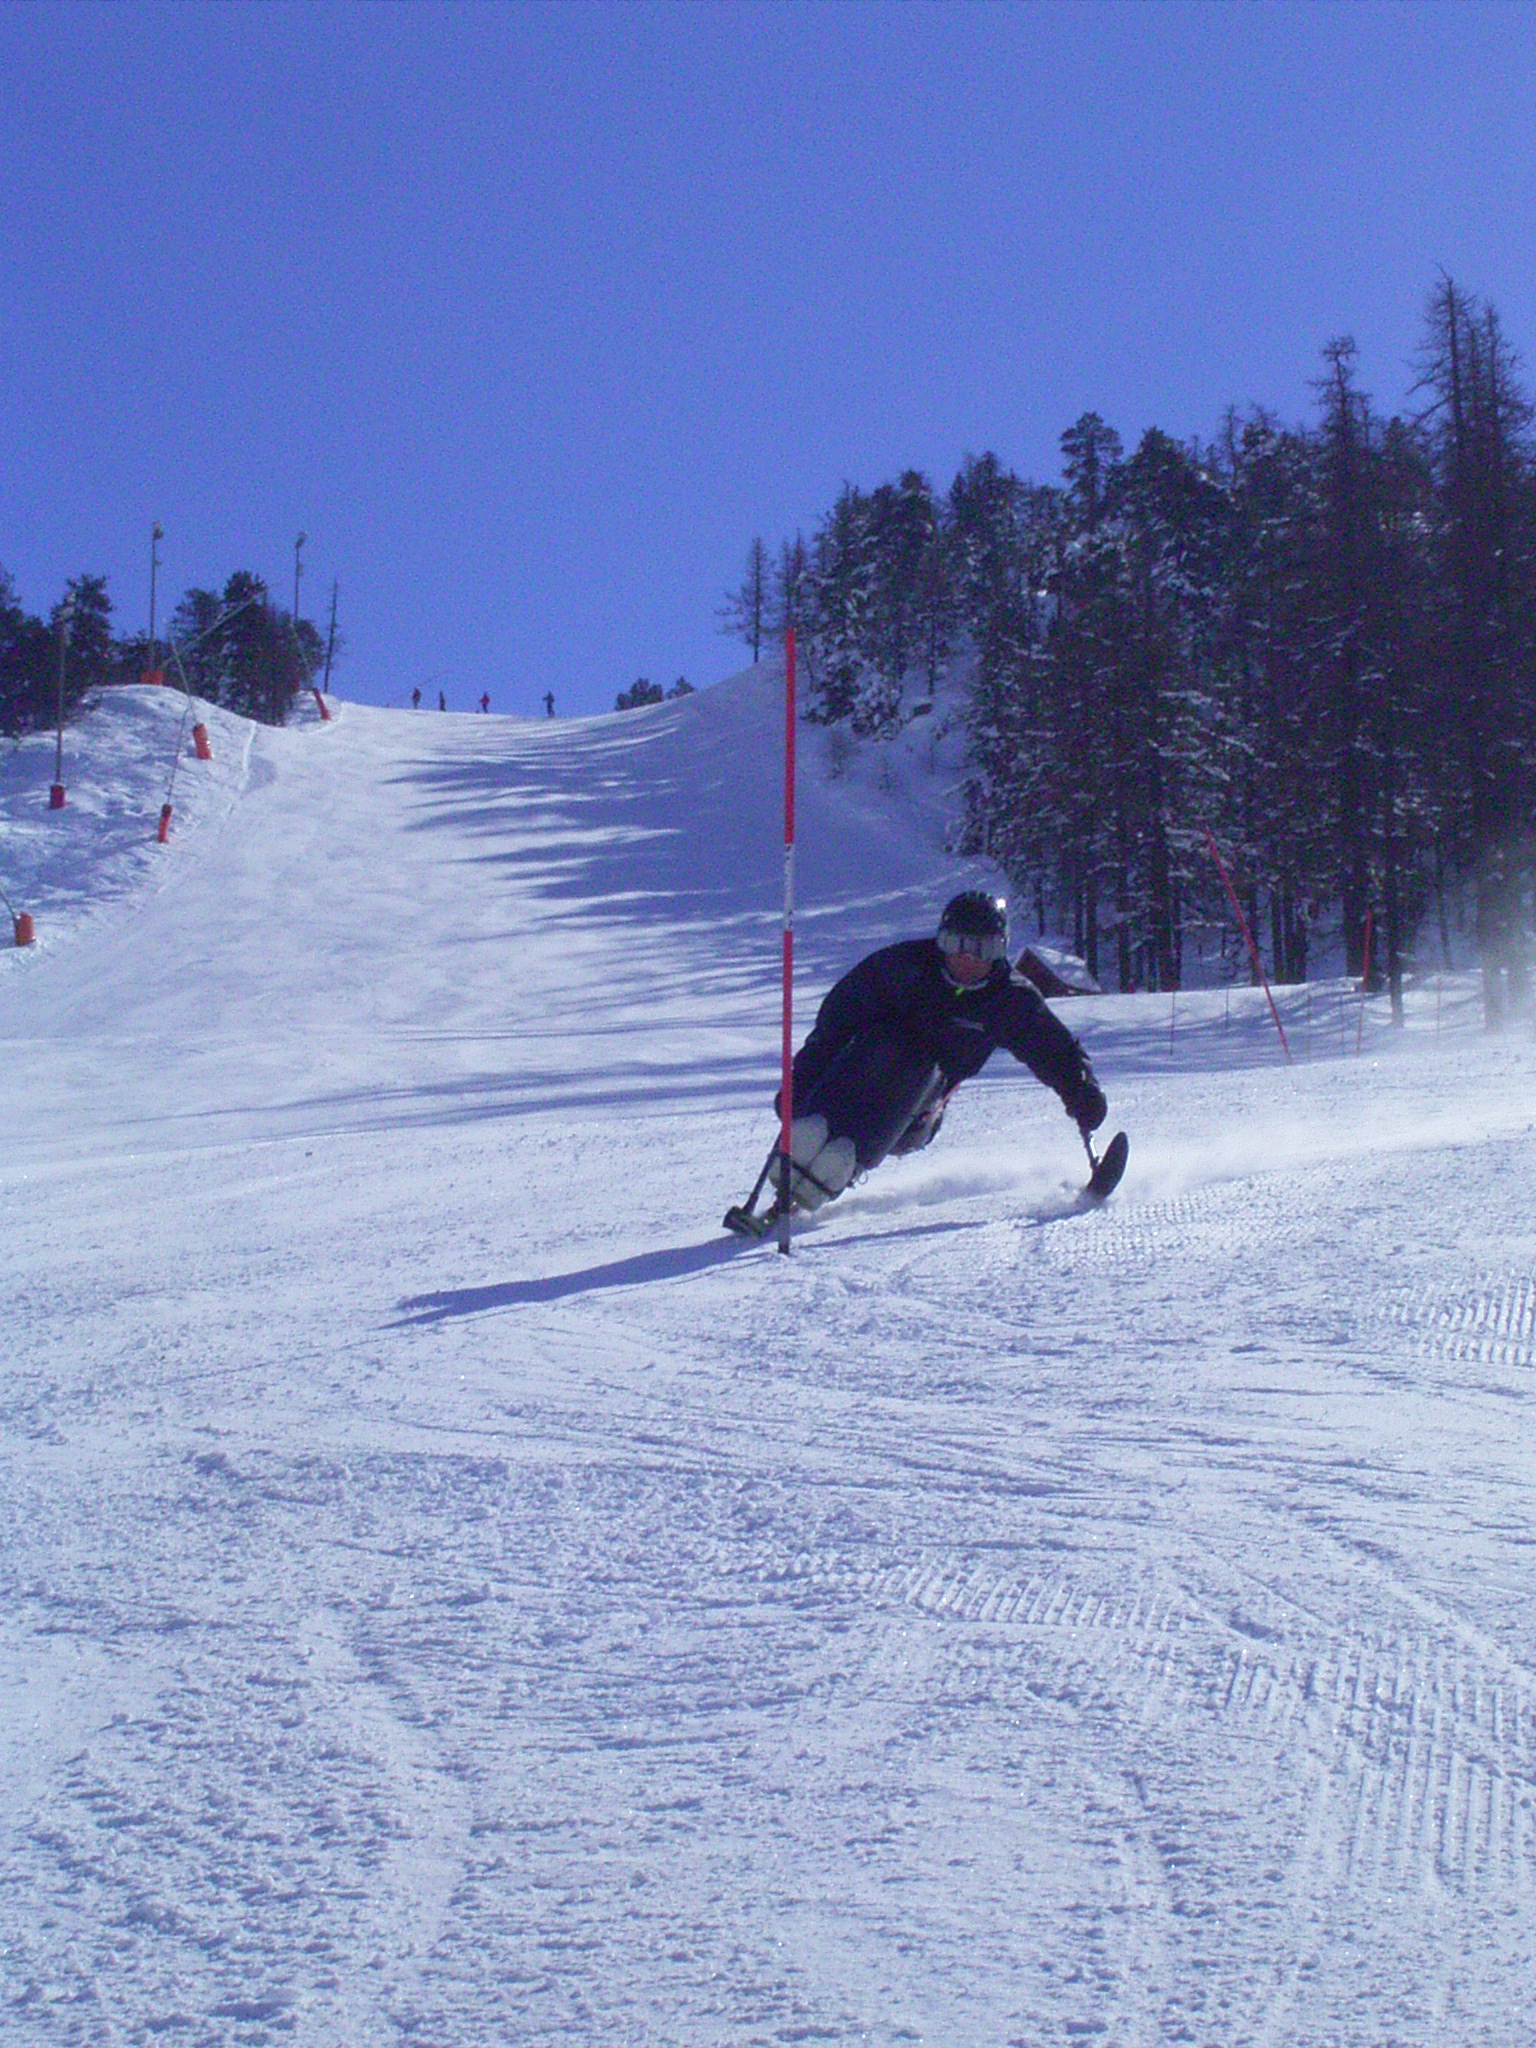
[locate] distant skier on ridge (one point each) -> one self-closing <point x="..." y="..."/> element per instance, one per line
<point x="897" y="1035"/>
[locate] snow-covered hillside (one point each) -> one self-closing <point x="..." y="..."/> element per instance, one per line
<point x="452" y="1594"/>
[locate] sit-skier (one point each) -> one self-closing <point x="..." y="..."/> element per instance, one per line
<point x="897" y="1035"/>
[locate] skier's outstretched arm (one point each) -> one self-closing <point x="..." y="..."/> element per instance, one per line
<point x="1037" y="1036"/>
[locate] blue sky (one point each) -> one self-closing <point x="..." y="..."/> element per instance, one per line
<point x="531" y="316"/>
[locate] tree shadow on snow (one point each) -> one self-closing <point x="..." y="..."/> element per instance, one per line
<point x="670" y="817"/>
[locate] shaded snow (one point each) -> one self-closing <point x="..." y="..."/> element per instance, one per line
<point x="454" y="1595"/>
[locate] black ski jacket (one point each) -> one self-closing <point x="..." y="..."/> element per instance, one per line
<point x="903" y="991"/>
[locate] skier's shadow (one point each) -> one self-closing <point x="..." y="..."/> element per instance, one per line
<point x="677" y="1263"/>
<point x="910" y="1230"/>
<point x="674" y="1264"/>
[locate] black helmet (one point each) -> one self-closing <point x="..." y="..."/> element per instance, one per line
<point x="974" y="916"/>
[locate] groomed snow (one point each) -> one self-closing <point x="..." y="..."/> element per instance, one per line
<point x="453" y="1595"/>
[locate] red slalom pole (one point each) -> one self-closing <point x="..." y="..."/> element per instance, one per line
<point x="1253" y="951"/>
<point x="787" y="1082"/>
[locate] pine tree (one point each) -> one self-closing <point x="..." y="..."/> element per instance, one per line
<point x="1399" y="601"/>
<point x="25" y="668"/>
<point x="904" y="541"/>
<point x="1478" y="420"/>
<point x="837" y="592"/>
<point x="239" y="651"/>
<point x="789" y="586"/>
<point x="745" y="611"/>
<point x="1268" y="810"/>
<point x="192" y="636"/>
<point x="92" y="651"/>
<point x="1316" y="640"/>
<point x="1083" y="704"/>
<point x="1091" y="456"/>
<point x="1176" y="529"/>
<point x="1342" y="569"/>
<point x="997" y="538"/>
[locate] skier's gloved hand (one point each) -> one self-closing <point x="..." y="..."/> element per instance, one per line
<point x="1085" y="1102"/>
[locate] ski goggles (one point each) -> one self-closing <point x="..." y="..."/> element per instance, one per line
<point x="987" y="946"/>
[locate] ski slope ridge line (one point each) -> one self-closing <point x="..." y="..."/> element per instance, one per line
<point x="468" y="857"/>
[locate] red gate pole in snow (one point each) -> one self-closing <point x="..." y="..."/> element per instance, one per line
<point x="787" y="1081"/>
<point x="1253" y="951"/>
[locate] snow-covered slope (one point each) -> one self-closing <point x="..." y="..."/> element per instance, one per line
<point x="453" y="1595"/>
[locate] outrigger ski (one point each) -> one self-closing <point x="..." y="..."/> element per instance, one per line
<point x="747" y="1223"/>
<point x="743" y="1217"/>
<point x="1108" y="1168"/>
<point x="745" y="1220"/>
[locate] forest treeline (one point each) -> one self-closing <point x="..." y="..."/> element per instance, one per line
<point x="1316" y="643"/>
<point x="238" y="648"/>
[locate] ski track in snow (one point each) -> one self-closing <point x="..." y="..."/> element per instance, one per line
<point x="453" y="1594"/>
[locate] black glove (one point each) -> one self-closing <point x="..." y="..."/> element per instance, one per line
<point x="1085" y="1102"/>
